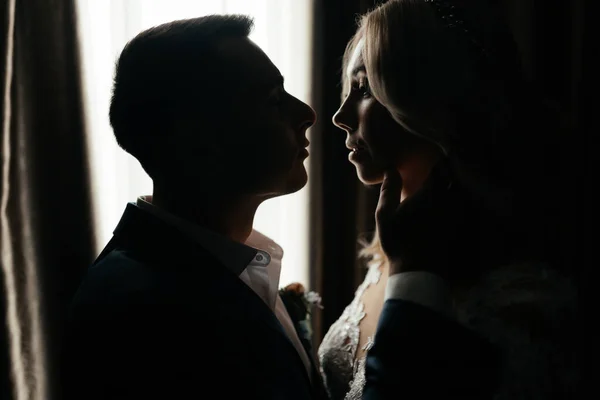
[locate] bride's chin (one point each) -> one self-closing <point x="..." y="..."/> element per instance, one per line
<point x="369" y="178"/>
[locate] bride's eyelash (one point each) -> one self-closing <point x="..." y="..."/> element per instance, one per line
<point x="363" y="87"/>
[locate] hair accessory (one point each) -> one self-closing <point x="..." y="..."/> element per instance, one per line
<point x="453" y="19"/>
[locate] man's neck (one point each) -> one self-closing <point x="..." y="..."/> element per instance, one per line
<point x="231" y="218"/>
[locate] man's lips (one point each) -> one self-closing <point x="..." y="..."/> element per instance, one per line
<point x="303" y="153"/>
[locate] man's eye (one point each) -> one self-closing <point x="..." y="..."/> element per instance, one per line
<point x="276" y="99"/>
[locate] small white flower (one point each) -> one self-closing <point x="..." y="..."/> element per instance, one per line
<point x="313" y="298"/>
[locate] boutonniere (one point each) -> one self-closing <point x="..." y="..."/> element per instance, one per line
<point x="299" y="304"/>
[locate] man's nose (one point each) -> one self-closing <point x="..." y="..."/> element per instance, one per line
<point x="307" y="115"/>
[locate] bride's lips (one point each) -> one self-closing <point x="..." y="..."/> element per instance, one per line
<point x="356" y="153"/>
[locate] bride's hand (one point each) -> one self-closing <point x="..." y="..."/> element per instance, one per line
<point x="416" y="234"/>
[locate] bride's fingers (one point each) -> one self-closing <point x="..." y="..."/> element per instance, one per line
<point x="389" y="196"/>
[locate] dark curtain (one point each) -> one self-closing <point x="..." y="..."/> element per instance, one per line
<point x="47" y="239"/>
<point x="339" y="203"/>
<point x="555" y="42"/>
<point x="554" y="39"/>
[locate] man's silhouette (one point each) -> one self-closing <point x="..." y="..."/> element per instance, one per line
<point x="183" y="301"/>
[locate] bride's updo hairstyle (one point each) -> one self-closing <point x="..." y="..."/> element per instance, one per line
<point x="450" y="72"/>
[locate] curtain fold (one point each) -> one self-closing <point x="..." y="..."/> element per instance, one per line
<point x="341" y="208"/>
<point x="555" y="38"/>
<point x="46" y="226"/>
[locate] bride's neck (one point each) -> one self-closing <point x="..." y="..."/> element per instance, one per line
<point x="416" y="168"/>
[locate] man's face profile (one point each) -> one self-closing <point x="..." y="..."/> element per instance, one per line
<point x="259" y="134"/>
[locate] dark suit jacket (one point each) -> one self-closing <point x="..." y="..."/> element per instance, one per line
<point x="420" y="354"/>
<point x="158" y="317"/>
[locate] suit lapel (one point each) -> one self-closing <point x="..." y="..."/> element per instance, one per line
<point x="317" y="379"/>
<point x="156" y="242"/>
<point x="255" y="305"/>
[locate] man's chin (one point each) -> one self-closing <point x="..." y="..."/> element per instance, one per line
<point x="297" y="181"/>
<point x="292" y="184"/>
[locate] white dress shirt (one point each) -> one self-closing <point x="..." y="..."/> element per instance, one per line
<point x="261" y="274"/>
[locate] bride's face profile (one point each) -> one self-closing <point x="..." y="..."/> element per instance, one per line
<point x="375" y="140"/>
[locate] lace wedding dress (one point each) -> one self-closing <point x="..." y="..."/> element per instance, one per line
<point x="500" y="307"/>
<point x="343" y="373"/>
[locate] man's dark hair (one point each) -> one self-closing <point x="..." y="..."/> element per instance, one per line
<point x="165" y="72"/>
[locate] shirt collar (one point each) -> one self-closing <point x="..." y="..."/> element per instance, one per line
<point x="259" y="249"/>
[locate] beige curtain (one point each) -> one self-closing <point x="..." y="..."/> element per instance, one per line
<point x="45" y="220"/>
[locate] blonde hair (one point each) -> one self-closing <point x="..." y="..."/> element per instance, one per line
<point x="371" y="250"/>
<point x="433" y="85"/>
<point x="397" y="38"/>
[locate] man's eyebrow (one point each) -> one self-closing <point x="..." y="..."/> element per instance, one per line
<point x="266" y="87"/>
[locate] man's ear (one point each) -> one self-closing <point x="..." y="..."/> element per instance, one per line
<point x="191" y="144"/>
